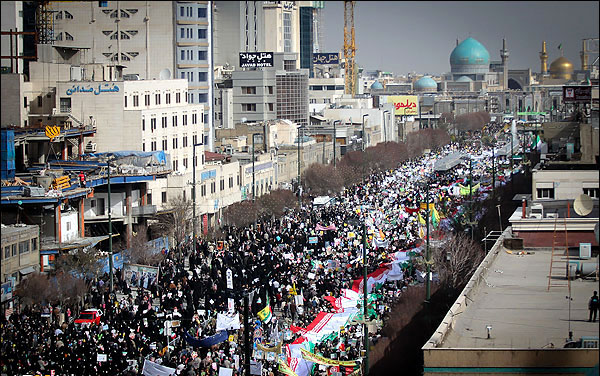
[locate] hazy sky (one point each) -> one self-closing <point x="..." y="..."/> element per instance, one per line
<point x="417" y="36"/>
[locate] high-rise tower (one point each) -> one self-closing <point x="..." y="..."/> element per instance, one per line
<point x="504" y="55"/>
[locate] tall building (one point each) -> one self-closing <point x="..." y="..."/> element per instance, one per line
<point x="151" y="40"/>
<point x="310" y="26"/>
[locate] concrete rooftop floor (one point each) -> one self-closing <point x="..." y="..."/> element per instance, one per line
<point x="522" y="312"/>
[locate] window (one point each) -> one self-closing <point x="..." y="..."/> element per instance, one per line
<point x="153" y="146"/>
<point x="182" y="55"/>
<point x="65" y="105"/>
<point x="102" y="4"/>
<point x="126" y="101"/>
<point x="24" y="246"/>
<point x="157" y="98"/>
<point x="191" y="99"/>
<point x="222" y="184"/>
<point x="270" y="89"/>
<point x="231" y="182"/>
<point x="195" y="139"/>
<point x="545" y="193"/>
<point x="270" y="106"/>
<point x="39" y="100"/>
<point x="168" y="98"/>
<point x="147" y="99"/>
<point x="248" y="89"/>
<point x="203" y="190"/>
<point x="124" y="36"/>
<point x="68" y="226"/>
<point x="14" y="249"/>
<point x="175" y="165"/>
<point x="143" y="146"/>
<point x="182" y="75"/>
<point x="185" y="162"/>
<point x="185" y="141"/>
<point x="213" y="187"/>
<point x="177" y="97"/>
<point x="124" y="14"/>
<point x="175" y="142"/>
<point x="182" y="32"/>
<point x="164" y="144"/>
<point x="201" y="12"/>
<point x="201" y="33"/>
<point x="287" y="32"/>
<point x="184" y="120"/>
<point x="143" y="125"/>
<point x="202" y="76"/>
<point x="164" y="194"/>
<point x="180" y="11"/>
<point x="202" y="55"/>
<point x="194" y="119"/>
<point x="164" y="122"/>
<point x="68" y="15"/>
<point x="68" y="36"/>
<point x="249" y="107"/>
<point x="152" y="124"/>
<point x="174" y="120"/>
<point x="136" y="101"/>
<point x="592" y="192"/>
<point x="7" y="251"/>
<point x="202" y="98"/>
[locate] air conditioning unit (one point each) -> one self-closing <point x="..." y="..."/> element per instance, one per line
<point x="551" y="215"/>
<point x="90" y="147"/>
<point x="585" y="251"/>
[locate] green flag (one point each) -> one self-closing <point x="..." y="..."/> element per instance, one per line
<point x="560" y="46"/>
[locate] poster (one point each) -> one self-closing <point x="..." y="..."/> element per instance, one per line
<point x="140" y="275"/>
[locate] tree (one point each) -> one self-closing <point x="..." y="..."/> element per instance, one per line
<point x="320" y="179"/>
<point x="456" y="259"/>
<point x="33" y="289"/>
<point x="241" y="214"/>
<point x="447" y="117"/>
<point x="473" y="121"/>
<point x="80" y="262"/>
<point x="140" y="251"/>
<point x="177" y="219"/>
<point x="275" y="203"/>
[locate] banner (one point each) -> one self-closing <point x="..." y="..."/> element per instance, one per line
<point x="275" y="349"/>
<point x="325" y="361"/>
<point x="404" y="104"/>
<point x="328" y="228"/>
<point x="324" y="324"/>
<point x="378" y="276"/>
<point x="207" y="341"/>
<point x="155" y="369"/>
<point x="140" y="275"/>
<point x="225" y="322"/>
<point x="285" y="369"/>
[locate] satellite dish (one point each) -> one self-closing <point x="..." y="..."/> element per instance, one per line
<point x="165" y="74"/>
<point x="243" y="120"/>
<point x="583" y="205"/>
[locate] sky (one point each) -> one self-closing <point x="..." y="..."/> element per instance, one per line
<point x="419" y="36"/>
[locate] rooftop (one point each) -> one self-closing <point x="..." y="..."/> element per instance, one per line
<point x="515" y="302"/>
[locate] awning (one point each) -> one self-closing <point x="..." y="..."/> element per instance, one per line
<point x="27" y="270"/>
<point x="49" y="252"/>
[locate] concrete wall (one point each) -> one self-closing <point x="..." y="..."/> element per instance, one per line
<point x="568" y="184"/>
<point x="14" y="236"/>
<point x="11" y="106"/>
<point x="69" y="224"/>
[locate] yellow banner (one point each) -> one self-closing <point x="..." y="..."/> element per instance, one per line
<point x="404" y="104"/>
<point x="424" y="206"/>
<point x="52" y="131"/>
<point x="275" y="349"/>
<point x="285" y="369"/>
<point x="307" y="355"/>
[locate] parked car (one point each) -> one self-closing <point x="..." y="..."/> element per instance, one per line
<point x="89" y="316"/>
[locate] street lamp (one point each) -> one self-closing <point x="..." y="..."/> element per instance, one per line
<point x="384" y="130"/>
<point x="194" y="192"/>
<point x="253" y="172"/>
<point x="334" y="134"/>
<point x="299" y="195"/>
<point x="363" y="130"/>
<point x="110" y="247"/>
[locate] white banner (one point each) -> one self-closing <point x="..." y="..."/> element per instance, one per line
<point x="155" y="369"/>
<point x="229" y="279"/>
<point x="225" y="322"/>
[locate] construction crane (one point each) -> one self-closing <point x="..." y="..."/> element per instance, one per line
<point x="349" y="48"/>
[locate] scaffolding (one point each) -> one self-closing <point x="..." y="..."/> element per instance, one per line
<point x="44" y="22"/>
<point x="349" y="48"/>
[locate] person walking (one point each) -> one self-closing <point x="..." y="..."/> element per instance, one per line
<point x="593" y="307"/>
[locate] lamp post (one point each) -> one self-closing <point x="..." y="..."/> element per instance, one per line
<point x="427" y="255"/>
<point x="110" y="247"/>
<point x="334" y="134"/>
<point x="365" y="292"/>
<point x="194" y="192"/>
<point x="363" y="131"/>
<point x="299" y="196"/>
<point x="384" y="123"/>
<point x="253" y="172"/>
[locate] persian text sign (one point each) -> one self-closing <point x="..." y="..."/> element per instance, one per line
<point x="97" y="90"/>
<point x="256" y="59"/>
<point x="404" y="104"/>
<point x="326" y="58"/>
<point x="577" y="94"/>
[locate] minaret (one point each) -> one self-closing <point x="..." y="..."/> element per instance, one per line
<point x="544" y="59"/>
<point x="504" y="55"/>
<point x="584" y="56"/>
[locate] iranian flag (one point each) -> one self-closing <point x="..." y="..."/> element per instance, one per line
<point x="324" y="324"/>
<point x="377" y="277"/>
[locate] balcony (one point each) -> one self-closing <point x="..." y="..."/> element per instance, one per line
<point x="143" y="211"/>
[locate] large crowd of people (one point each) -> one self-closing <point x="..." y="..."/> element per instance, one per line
<point x="293" y="264"/>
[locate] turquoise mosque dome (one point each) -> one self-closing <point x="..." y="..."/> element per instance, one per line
<point x="470" y="56"/>
<point x="425" y="83"/>
<point x="464" y="79"/>
<point x="377" y="86"/>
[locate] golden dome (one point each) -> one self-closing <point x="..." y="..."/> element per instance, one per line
<point x="561" y="68"/>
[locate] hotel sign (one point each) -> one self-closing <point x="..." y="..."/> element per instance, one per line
<point x="256" y="59"/>
<point x="577" y="94"/>
<point x="96" y="89"/>
<point x="404" y="104"/>
<point x="326" y="58"/>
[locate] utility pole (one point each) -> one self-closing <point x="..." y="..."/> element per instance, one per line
<point x="194" y="193"/>
<point x="494" y="171"/>
<point x="334" y="134"/>
<point x="299" y="183"/>
<point x="427" y="255"/>
<point x="253" y="172"/>
<point x="365" y="292"/>
<point x="110" y="247"/>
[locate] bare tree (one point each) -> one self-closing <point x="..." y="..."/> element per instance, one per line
<point x="241" y="214"/>
<point x="320" y="179"/>
<point x="177" y="219"/>
<point x="80" y="262"/>
<point x="275" y="203"/>
<point x="33" y="289"/>
<point x="456" y="259"/>
<point x="140" y="252"/>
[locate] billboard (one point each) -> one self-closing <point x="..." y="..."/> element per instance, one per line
<point x="577" y="94"/>
<point x="140" y="275"/>
<point x="326" y="58"/>
<point x="256" y="59"/>
<point x="404" y="104"/>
